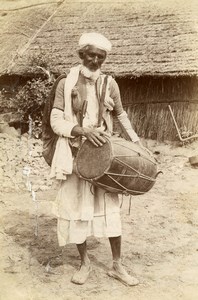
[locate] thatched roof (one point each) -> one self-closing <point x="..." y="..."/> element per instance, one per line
<point x="20" y="20"/>
<point x="149" y="37"/>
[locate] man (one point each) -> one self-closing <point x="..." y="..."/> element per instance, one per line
<point x="78" y="114"/>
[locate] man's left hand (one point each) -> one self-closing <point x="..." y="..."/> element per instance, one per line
<point x="144" y="148"/>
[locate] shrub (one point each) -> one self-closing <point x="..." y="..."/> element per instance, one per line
<point x="30" y="101"/>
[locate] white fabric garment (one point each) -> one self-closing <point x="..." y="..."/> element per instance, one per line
<point x="62" y="163"/>
<point x="80" y="212"/>
<point x="91" y="116"/>
<point x="95" y="39"/>
<point x="123" y="119"/>
<point x="77" y="231"/>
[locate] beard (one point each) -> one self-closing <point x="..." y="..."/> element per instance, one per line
<point x="93" y="75"/>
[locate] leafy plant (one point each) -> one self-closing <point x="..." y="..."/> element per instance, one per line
<point x="30" y="101"/>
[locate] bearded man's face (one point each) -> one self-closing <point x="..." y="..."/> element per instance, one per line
<point x="93" y="58"/>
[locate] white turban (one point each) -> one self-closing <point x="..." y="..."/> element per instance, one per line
<point x="95" y="39"/>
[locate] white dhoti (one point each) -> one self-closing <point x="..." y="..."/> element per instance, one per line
<point x="82" y="213"/>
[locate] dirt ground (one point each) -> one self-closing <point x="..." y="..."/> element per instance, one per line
<point x="160" y="241"/>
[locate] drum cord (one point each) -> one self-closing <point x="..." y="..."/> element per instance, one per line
<point x="92" y="189"/>
<point x="130" y="204"/>
<point x="138" y="153"/>
<point x="130" y="200"/>
<point x="122" y="201"/>
<point x="105" y="205"/>
<point x="105" y="209"/>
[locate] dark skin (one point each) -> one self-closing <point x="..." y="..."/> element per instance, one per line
<point x="93" y="58"/>
<point x="94" y="135"/>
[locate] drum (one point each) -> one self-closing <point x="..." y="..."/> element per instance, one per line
<point x="119" y="166"/>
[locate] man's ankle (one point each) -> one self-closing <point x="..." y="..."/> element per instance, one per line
<point x="117" y="261"/>
<point x="85" y="263"/>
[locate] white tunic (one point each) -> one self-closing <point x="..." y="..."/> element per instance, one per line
<point x="81" y="212"/>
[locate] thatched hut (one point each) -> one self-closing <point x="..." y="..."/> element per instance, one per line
<point x="154" y="57"/>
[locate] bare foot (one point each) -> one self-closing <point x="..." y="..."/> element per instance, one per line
<point x="118" y="272"/>
<point x="82" y="274"/>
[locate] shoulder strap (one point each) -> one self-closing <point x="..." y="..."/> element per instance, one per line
<point x="101" y="104"/>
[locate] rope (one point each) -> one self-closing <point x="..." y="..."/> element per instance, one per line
<point x="130" y="204"/>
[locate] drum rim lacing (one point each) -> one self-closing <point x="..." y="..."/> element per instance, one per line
<point x="134" y="151"/>
<point x="123" y="191"/>
<point x="133" y="176"/>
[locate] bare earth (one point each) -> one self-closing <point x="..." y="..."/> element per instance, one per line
<point x="160" y="241"/>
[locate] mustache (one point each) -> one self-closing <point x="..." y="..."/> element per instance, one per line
<point x="94" y="65"/>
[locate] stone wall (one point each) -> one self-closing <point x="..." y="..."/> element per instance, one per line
<point x="22" y="166"/>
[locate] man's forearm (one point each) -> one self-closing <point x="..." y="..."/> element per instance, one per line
<point x="78" y="131"/>
<point x="59" y="125"/>
<point x="126" y="124"/>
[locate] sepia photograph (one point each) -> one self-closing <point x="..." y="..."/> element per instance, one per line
<point x="99" y="149"/>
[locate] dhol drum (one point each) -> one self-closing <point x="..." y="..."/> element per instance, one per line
<point x="119" y="166"/>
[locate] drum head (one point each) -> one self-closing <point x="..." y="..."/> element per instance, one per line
<point x="92" y="161"/>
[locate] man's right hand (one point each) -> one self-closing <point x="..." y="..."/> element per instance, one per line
<point x="95" y="136"/>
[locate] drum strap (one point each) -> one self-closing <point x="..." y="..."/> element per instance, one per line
<point x="102" y="98"/>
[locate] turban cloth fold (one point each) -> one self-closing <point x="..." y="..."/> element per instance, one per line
<point x="95" y="39"/>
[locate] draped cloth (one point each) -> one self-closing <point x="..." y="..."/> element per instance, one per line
<point x="62" y="163"/>
<point x="81" y="209"/>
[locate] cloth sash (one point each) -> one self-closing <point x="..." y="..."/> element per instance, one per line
<point x="62" y="163"/>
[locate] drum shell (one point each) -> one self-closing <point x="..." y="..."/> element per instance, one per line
<point x="119" y="166"/>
